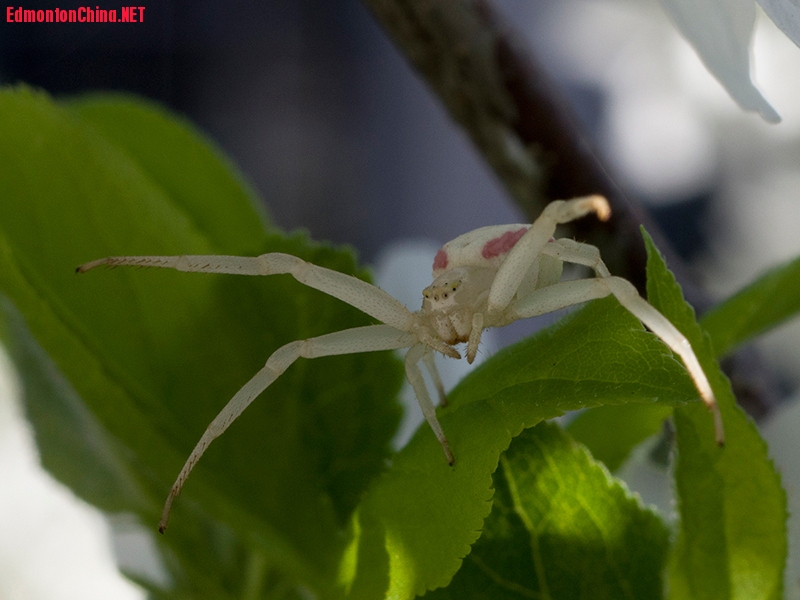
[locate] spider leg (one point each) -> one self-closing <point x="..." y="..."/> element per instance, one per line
<point x="414" y="375"/>
<point x="366" y="297"/>
<point x="625" y="292"/>
<point x="555" y="297"/>
<point x="371" y="338"/>
<point x="430" y="362"/>
<point x="677" y="342"/>
<point x="527" y="249"/>
<point x="580" y="254"/>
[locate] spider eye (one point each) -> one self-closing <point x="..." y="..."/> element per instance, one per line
<point x="436" y="297"/>
<point x="454" y="288"/>
<point x="445" y="294"/>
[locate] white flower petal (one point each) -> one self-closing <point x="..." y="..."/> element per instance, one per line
<point x="786" y="15"/>
<point x="720" y="32"/>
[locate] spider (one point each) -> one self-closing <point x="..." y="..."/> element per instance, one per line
<point x="489" y="277"/>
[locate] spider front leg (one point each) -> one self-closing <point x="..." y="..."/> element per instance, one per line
<point x="371" y="338"/>
<point x="360" y="294"/>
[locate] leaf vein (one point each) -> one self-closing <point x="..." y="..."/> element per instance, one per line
<point x="538" y="562"/>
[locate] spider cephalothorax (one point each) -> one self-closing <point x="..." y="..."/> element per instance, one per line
<point x="489" y="277"/>
<point x="451" y="301"/>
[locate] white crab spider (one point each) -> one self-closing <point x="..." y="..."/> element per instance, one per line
<point x="489" y="277"/>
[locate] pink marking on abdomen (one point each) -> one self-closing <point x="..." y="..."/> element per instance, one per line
<point x="501" y="245"/>
<point x="440" y="262"/>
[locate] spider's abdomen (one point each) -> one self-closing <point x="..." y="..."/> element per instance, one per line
<point x="485" y="247"/>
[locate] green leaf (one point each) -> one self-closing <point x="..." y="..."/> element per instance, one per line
<point x="195" y="175"/>
<point x="561" y="527"/>
<point x="154" y="355"/>
<point x="71" y="442"/>
<point x="419" y="519"/>
<point x="765" y="303"/>
<point x="612" y="432"/>
<point x="732" y="538"/>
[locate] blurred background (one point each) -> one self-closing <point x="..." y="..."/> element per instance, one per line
<point x="340" y="137"/>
